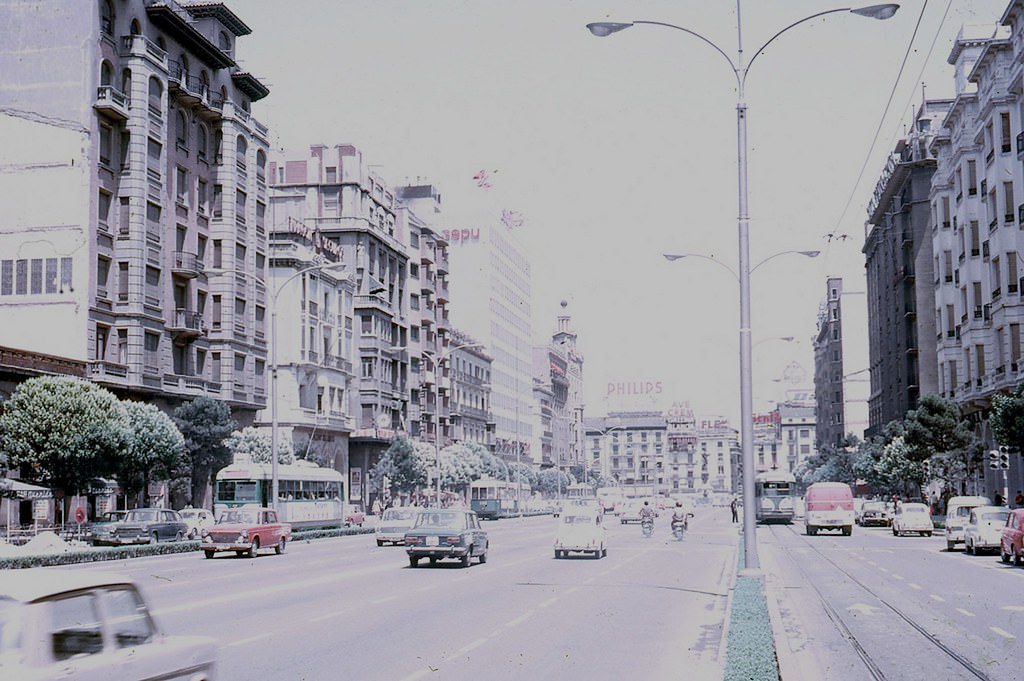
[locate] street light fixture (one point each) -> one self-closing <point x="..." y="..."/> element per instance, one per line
<point x="274" y="484"/>
<point x="672" y="257"/>
<point x="740" y="69"/>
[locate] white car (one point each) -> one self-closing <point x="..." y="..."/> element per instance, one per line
<point x="581" y="532"/>
<point x="393" y="525"/>
<point x="197" y="519"/>
<point x="912" y="517"/>
<point x="984" y="528"/>
<point x="90" y="626"/>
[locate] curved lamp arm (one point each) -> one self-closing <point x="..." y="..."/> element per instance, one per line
<point x="673" y="256"/>
<point x="806" y="254"/>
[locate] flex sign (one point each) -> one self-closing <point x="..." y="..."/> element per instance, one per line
<point x="461" y="235"/>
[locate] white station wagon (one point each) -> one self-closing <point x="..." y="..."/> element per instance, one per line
<point x="89" y="626"/>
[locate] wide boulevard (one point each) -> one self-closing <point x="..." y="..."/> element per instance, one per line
<point x="345" y="608"/>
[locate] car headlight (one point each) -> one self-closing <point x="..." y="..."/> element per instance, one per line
<point x="243" y="536"/>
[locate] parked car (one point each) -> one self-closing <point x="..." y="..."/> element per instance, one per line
<point x="874" y="513"/>
<point x="98" y="531"/>
<point x="246" y="530"/>
<point x="984" y="528"/>
<point x="147" y="526"/>
<point x="1011" y="541"/>
<point x="958" y="510"/>
<point x="197" y="519"/>
<point x="393" y="525"/>
<point x="912" y="517"/>
<point x="90" y="626"/>
<point x="580" y="531"/>
<point x="353" y="516"/>
<point x="446" y="533"/>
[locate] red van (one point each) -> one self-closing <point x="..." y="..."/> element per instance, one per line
<point x="828" y="506"/>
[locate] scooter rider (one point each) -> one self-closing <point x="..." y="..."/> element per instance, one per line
<point x="647" y="513"/>
<point x="679" y="515"/>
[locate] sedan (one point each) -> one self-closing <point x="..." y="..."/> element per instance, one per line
<point x="197" y="519"/>
<point x="1011" y="542"/>
<point x="984" y="528"/>
<point x="394" y="524"/>
<point x="90" y="626"/>
<point x="912" y="517"/>
<point x="581" y="532"/>
<point x="98" y="531"/>
<point x="446" y="533"/>
<point x="874" y="513"/>
<point x="148" y="526"/>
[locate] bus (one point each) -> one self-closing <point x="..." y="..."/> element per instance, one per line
<point x="492" y="498"/>
<point x="308" y="496"/>
<point x="774" y="496"/>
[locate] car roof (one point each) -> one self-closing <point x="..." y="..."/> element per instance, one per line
<point x="989" y="509"/>
<point x="30" y="585"/>
<point x="914" y="504"/>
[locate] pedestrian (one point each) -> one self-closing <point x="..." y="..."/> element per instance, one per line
<point x="998" y="499"/>
<point x="734" y="507"/>
<point x="1018" y="500"/>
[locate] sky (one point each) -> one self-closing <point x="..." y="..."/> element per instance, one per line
<point x="617" y="150"/>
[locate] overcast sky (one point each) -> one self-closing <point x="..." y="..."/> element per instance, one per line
<point x="616" y="150"/>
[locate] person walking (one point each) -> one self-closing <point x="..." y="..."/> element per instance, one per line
<point x="1018" y="500"/>
<point x="734" y="507"/>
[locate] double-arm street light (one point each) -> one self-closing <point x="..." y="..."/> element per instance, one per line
<point x="323" y="267"/>
<point x="671" y="257"/>
<point x="741" y="67"/>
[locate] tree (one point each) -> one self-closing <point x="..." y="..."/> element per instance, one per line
<point x="155" y="448"/>
<point x="527" y="475"/>
<point x="402" y="468"/>
<point x="493" y="466"/>
<point x="459" y="466"/>
<point x="1007" y="419"/>
<point x="63" y="430"/>
<point x="551" y="481"/>
<point x="898" y="471"/>
<point x="832" y="463"/>
<point x="254" y="444"/>
<point x="935" y="427"/>
<point x="205" y="423"/>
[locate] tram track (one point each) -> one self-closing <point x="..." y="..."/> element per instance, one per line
<point x="870" y="662"/>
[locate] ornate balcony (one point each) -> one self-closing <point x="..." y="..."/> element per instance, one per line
<point x="186" y="265"/>
<point x="186" y="324"/>
<point x="112" y="103"/>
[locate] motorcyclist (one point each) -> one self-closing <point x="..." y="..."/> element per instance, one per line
<point x="647" y="514"/>
<point x="679" y="515"/>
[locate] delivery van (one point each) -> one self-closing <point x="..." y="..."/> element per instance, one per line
<point x="828" y="506"/>
<point x="958" y="512"/>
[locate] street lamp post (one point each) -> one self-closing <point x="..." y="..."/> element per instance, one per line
<point x="445" y="354"/>
<point x="274" y="484"/>
<point x="740" y="69"/>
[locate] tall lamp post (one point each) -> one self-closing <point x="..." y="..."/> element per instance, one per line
<point x="741" y="68"/>
<point x="445" y="354"/>
<point x="275" y="483"/>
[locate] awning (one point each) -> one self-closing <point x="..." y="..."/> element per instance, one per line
<point x="16" y="489"/>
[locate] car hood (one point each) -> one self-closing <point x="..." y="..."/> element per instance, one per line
<point x="394" y="525"/>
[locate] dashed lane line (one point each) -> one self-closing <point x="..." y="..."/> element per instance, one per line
<point x="914" y="586"/>
<point x="965" y="613"/>
<point x="937" y="598"/>
<point x="247" y="640"/>
<point x="1002" y="632"/>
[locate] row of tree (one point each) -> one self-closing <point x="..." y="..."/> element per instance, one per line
<point x="65" y="432"/>
<point x="934" y="442"/>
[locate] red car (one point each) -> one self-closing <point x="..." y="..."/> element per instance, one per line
<point x="245" y="531"/>
<point x="1010" y="544"/>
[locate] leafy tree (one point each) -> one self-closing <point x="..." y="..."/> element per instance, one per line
<point x="154" y="450"/>
<point x="254" y="443"/>
<point x="935" y="427"/>
<point x="401" y="467"/>
<point x="1007" y="419"/>
<point x="898" y="471"/>
<point x="494" y="466"/>
<point x="832" y="463"/>
<point x="63" y="430"/>
<point x="551" y="481"/>
<point x="205" y="423"/>
<point x="527" y="475"/>
<point x="459" y="465"/>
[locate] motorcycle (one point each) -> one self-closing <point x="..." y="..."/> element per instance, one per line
<point x="679" y="528"/>
<point x="647" y="525"/>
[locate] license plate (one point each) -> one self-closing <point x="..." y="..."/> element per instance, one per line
<point x="432" y="541"/>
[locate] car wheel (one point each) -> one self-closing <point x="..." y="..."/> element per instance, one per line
<point x="847" y="531"/>
<point x="413" y="561"/>
<point x="468" y="558"/>
<point x="895" y="533"/>
<point x="279" y="549"/>
<point x="968" y="548"/>
<point x="179" y="537"/>
<point x="1018" y="559"/>
<point x="558" y="554"/>
<point x="380" y="542"/>
<point x="154" y="538"/>
<point x="208" y="554"/>
<point x="950" y="545"/>
<point x="604" y="551"/>
<point x="483" y="557"/>
<point x="927" y="534"/>
<point x="254" y="548"/>
<point x="433" y="561"/>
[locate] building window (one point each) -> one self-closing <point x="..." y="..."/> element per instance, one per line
<point x="106" y="17"/>
<point x="202" y="142"/>
<point x="106" y="144"/>
<point x="181" y="186"/>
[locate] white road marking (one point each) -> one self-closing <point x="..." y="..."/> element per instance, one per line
<point x="330" y="615"/>
<point x="384" y="600"/>
<point x="246" y="640"/>
<point x="914" y="586"/>
<point x="547" y="602"/>
<point x="466" y="648"/>
<point x="936" y="597"/>
<point x="895" y="576"/>
<point x="965" y="613"/>
<point x="519" y="620"/>
<point x="1013" y="608"/>
<point x="1002" y="632"/>
<point x="882" y="569"/>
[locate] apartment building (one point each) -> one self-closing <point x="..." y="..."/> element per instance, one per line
<point x="491" y="280"/>
<point x="551" y="417"/>
<point x="565" y="337"/>
<point x="470" y="375"/>
<point x="630" y="448"/>
<point x="135" y="191"/>
<point x="333" y="192"/>
<point x="718" y="456"/>
<point x="902" y="273"/>
<point x="797" y="431"/>
<point x="838" y="355"/>
<point x="681" y="459"/>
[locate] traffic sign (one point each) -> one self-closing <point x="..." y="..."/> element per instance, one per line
<point x="79" y="515"/>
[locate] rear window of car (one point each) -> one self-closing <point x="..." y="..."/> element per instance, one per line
<point x="448" y="521"/>
<point x="963" y="511"/>
<point x="996" y="516"/>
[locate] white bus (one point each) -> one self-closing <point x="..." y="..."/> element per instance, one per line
<point x="308" y="495"/>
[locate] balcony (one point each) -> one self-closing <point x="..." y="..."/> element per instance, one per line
<point x="141" y="46"/>
<point x="186" y="324"/>
<point x="112" y="103"/>
<point x="186" y="265"/>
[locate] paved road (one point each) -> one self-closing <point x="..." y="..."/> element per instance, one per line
<point x="343" y="608"/>
<point x="875" y="606"/>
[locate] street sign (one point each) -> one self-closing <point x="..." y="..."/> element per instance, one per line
<point x="79" y="515"/>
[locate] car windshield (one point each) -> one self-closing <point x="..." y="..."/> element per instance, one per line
<point x="874" y="506"/>
<point x="111" y="517"/>
<point x="996" y="516"/>
<point x="579" y="520"/>
<point x="441" y="519"/>
<point x="236" y="516"/>
<point x="963" y="511"/>
<point x="142" y="516"/>
<point x="397" y="514"/>
<point x="189" y="513"/>
<point x="914" y="509"/>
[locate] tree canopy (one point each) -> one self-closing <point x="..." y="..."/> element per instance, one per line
<point x="205" y="423"/>
<point x="153" y="450"/>
<point x="252" y="443"/>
